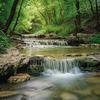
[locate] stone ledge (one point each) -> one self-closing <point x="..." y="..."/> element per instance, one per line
<point x="22" y="77"/>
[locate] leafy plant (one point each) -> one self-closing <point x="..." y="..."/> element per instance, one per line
<point x="95" y="38"/>
<point x="4" y="41"/>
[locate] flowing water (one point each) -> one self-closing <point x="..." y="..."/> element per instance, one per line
<point x="40" y="43"/>
<point x="61" y="79"/>
<point x="61" y="65"/>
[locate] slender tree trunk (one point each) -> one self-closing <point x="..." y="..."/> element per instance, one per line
<point x="97" y="14"/>
<point x="16" y="22"/>
<point x="78" y="17"/>
<point x="92" y="10"/>
<point x="11" y="16"/>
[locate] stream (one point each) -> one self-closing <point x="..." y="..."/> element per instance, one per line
<point x="61" y="79"/>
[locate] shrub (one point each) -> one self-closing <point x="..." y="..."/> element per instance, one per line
<point x="4" y="42"/>
<point x="95" y="39"/>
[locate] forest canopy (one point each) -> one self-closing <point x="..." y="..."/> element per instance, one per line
<point x="61" y="17"/>
<point x="41" y="16"/>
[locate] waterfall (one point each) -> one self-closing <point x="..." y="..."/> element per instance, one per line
<point x="61" y="65"/>
<point x="43" y="43"/>
<point x="69" y="65"/>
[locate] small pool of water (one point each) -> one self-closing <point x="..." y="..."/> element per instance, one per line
<point x="54" y="87"/>
<point x="60" y="52"/>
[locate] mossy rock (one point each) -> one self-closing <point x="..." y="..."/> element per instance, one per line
<point x="75" y="41"/>
<point x="36" y="69"/>
<point x="7" y="94"/>
<point x="89" y="64"/>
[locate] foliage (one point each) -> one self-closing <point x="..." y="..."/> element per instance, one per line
<point x="37" y="16"/>
<point x="57" y="17"/>
<point x="95" y="38"/>
<point x="5" y="7"/>
<point x="4" y="41"/>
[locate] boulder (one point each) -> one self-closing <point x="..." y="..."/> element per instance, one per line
<point x="7" y="94"/>
<point x="22" y="77"/>
<point x="36" y="70"/>
<point x="75" y="41"/>
<point x="89" y="64"/>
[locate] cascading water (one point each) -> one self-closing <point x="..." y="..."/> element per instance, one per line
<point x="61" y="65"/>
<point x="43" y="43"/>
<point x="69" y="65"/>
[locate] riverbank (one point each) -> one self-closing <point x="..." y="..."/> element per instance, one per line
<point x="13" y="63"/>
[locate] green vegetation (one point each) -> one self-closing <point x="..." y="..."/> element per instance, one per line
<point x="61" y="17"/>
<point x="95" y="38"/>
<point x="4" y="42"/>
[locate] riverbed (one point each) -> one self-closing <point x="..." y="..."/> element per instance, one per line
<point x="53" y="84"/>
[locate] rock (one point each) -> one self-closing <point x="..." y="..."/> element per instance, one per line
<point x="7" y="93"/>
<point x="36" y="60"/>
<point x="24" y="61"/>
<point x="36" y="70"/>
<point x="97" y="74"/>
<point x="89" y="64"/>
<point x="77" y="55"/>
<point x="75" y="41"/>
<point x="19" y="78"/>
<point x="13" y="51"/>
<point x="68" y="96"/>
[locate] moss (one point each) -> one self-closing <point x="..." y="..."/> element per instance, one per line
<point x="36" y="69"/>
<point x="89" y="65"/>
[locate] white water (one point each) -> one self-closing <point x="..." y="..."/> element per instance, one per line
<point x="39" y="43"/>
<point x="61" y="65"/>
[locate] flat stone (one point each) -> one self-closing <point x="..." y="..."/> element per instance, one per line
<point x="7" y="93"/>
<point x="68" y="96"/>
<point x="19" y="78"/>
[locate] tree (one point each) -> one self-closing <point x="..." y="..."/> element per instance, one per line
<point x="11" y="16"/>
<point x="92" y="9"/>
<point x="97" y="14"/>
<point x="78" y="17"/>
<point x="17" y="16"/>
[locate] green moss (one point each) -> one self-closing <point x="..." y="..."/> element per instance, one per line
<point x="89" y="65"/>
<point x="95" y="39"/>
<point x="36" y="70"/>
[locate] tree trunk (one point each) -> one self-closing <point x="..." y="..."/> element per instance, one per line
<point x="78" y="17"/>
<point x="97" y="14"/>
<point x="16" y="22"/>
<point x="92" y="10"/>
<point x="11" y="16"/>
